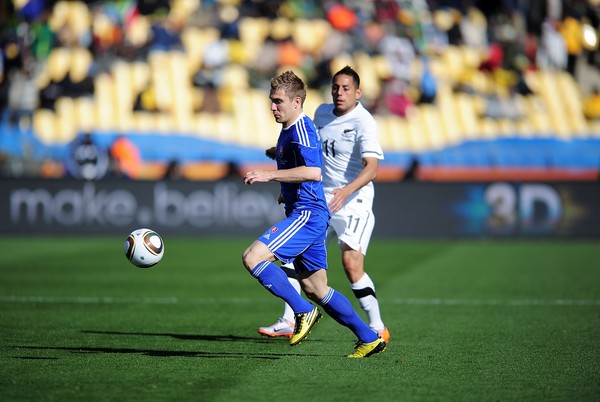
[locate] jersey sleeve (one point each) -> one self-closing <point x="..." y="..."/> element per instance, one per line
<point x="308" y="142"/>
<point x="369" y="140"/>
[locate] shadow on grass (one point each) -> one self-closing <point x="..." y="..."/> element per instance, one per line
<point x="171" y="353"/>
<point x="175" y="353"/>
<point x="34" y="358"/>
<point x="223" y="338"/>
<point x="163" y="353"/>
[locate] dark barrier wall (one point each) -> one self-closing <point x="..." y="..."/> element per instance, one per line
<point x="426" y="210"/>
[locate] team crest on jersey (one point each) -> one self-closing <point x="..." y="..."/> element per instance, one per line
<point x="274" y="229"/>
<point x="349" y="134"/>
<point x="280" y="151"/>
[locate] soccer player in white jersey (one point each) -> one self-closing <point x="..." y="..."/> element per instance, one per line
<point x="300" y="237"/>
<point x="351" y="154"/>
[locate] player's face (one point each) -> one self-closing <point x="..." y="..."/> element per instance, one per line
<point x="285" y="110"/>
<point x="344" y="94"/>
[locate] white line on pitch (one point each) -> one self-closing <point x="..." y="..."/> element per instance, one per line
<point x="175" y="300"/>
<point x="498" y="302"/>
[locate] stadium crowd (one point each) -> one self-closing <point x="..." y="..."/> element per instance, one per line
<point x="52" y="51"/>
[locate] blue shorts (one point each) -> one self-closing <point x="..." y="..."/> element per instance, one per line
<point x="300" y="238"/>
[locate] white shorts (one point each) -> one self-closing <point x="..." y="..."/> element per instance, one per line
<point x="353" y="224"/>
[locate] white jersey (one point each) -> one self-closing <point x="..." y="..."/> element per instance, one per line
<point x="346" y="140"/>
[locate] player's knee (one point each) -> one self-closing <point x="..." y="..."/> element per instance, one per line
<point x="353" y="265"/>
<point x="311" y="293"/>
<point x="248" y="260"/>
<point x="315" y="290"/>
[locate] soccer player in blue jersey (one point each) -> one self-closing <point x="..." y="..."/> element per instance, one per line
<point x="351" y="151"/>
<point x="300" y="237"/>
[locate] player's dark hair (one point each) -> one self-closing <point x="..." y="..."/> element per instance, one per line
<point x="349" y="71"/>
<point x="291" y="84"/>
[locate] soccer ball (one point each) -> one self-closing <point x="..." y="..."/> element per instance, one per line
<point x="144" y="248"/>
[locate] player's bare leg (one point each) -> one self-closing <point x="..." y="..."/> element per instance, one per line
<point x="363" y="288"/>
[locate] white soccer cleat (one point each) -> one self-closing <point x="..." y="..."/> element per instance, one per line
<point x="281" y="328"/>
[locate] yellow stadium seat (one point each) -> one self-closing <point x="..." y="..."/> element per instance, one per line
<point x="452" y="62"/>
<point x="398" y="133"/>
<point x="44" y="126"/>
<point x="225" y="130"/>
<point x="159" y="64"/>
<point x="59" y="16"/>
<point x="319" y="30"/>
<point x="449" y="114"/>
<point x="594" y="129"/>
<point x="507" y="128"/>
<point x="65" y="121"/>
<point x="313" y="100"/>
<point x="79" y="17"/>
<point x="467" y="115"/>
<point x="253" y="31"/>
<point x="572" y="103"/>
<point x="85" y="117"/>
<point x="164" y="123"/>
<point x="281" y="28"/>
<point x="58" y="63"/>
<point x="340" y="61"/>
<point x="205" y="125"/>
<point x="192" y="40"/>
<point x="140" y="76"/>
<point x="123" y="96"/>
<point x="79" y="64"/>
<point x="179" y="77"/>
<point x="104" y="105"/>
<point x="432" y="129"/>
<point x="144" y="122"/>
<point x="369" y="81"/>
<point x="487" y="128"/>
<point x="392" y="133"/>
<point x="235" y="77"/>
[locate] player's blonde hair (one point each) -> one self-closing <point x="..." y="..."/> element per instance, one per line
<point x="291" y="84"/>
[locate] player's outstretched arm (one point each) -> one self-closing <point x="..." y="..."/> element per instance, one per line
<point x="368" y="174"/>
<point x="298" y="174"/>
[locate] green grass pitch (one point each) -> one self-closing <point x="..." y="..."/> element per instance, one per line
<point x="470" y="321"/>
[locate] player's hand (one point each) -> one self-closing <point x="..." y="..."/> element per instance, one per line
<point x="271" y="152"/>
<point x="339" y="198"/>
<point x="256" y="176"/>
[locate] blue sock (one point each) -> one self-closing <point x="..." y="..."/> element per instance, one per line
<point x="340" y="309"/>
<point x="275" y="281"/>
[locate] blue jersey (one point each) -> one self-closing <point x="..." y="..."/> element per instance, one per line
<point x="299" y="145"/>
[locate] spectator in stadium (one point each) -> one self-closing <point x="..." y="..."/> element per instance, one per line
<point x="350" y="151"/>
<point x="427" y="85"/>
<point x="522" y="87"/>
<point x="300" y="238"/>
<point x="173" y="171"/>
<point x="22" y="96"/>
<point x="399" y="52"/>
<point x="126" y="161"/>
<point x="396" y="98"/>
<point x="572" y="31"/>
<point x="552" y="51"/>
<point x="87" y="160"/>
<point x="591" y="105"/>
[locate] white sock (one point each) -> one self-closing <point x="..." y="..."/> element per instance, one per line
<point x="288" y="313"/>
<point x="364" y="290"/>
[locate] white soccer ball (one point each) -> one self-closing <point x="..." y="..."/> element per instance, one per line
<point x="144" y="248"/>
